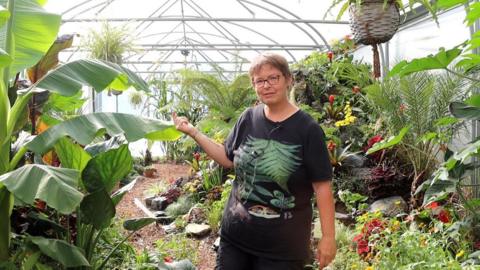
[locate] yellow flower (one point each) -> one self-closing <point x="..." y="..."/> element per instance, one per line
<point x="369" y="268"/>
<point x="349" y="118"/>
<point x="460" y="254"/>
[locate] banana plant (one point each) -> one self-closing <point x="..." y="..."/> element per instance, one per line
<point x="26" y="33"/>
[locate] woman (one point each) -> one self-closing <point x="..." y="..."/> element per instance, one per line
<point x="280" y="160"/>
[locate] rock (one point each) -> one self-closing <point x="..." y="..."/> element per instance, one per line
<point x="148" y="201"/>
<point x="160" y="214"/>
<point x="159" y="203"/>
<point x="170" y="228"/>
<point x="196" y="215"/>
<point x="197" y="230"/>
<point x="216" y="244"/>
<point x="390" y="206"/>
<point x="162" y="217"/>
<point x="344" y="218"/>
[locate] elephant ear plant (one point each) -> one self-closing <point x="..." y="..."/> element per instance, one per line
<point x="83" y="185"/>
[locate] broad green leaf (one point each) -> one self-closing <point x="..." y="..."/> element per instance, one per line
<point x="33" y="32"/>
<point x="439" y="61"/>
<point x="439" y="189"/>
<point x="71" y="155"/>
<point x="69" y="78"/>
<point x="61" y="251"/>
<point x="469" y="150"/>
<point x="56" y="186"/>
<point x="464" y="111"/>
<point x="31" y="260"/>
<point x="446" y="121"/>
<point x="137" y="223"/>
<point x="5" y="59"/>
<point x="473" y="100"/>
<point x="61" y="103"/>
<point x="83" y="129"/>
<point x="105" y="170"/>
<point x="118" y="195"/>
<point x="50" y="59"/>
<point x="473" y="13"/>
<point x="4" y="15"/>
<point x="133" y="79"/>
<point x="6" y="201"/>
<point x="474" y="202"/>
<point x="469" y="61"/>
<point x="392" y="141"/>
<point x="446" y="4"/>
<point x="97" y="209"/>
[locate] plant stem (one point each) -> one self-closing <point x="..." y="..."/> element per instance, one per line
<point x="114" y="249"/>
<point x="17" y="157"/>
<point x="462" y="75"/>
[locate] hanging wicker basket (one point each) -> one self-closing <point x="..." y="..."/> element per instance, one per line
<point x="374" y="22"/>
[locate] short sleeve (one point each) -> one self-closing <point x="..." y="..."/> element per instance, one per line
<point x="316" y="156"/>
<point x="237" y="134"/>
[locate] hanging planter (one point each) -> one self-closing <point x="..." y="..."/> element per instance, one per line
<point x="374" y="22"/>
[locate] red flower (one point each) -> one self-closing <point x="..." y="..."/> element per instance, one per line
<point x="330" y="55"/>
<point x="362" y="243"/>
<point x="444" y="216"/>
<point x="331" y="99"/>
<point x="196" y="155"/>
<point x="362" y="247"/>
<point x="431" y="205"/>
<point x="331" y="145"/>
<point x="476" y="245"/>
<point x="356" y="89"/>
<point x="402" y="108"/>
<point x="373" y="226"/>
<point x="168" y="259"/>
<point x="375" y="139"/>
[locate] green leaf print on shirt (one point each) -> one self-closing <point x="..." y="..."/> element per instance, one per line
<point x="266" y="161"/>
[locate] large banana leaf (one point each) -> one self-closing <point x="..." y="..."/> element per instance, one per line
<point x="59" y="250"/>
<point x="97" y="209"/>
<point x="71" y="155"/>
<point x="4" y="15"/>
<point x="33" y="32"/>
<point x="49" y="60"/>
<point x="68" y="79"/>
<point x="105" y="170"/>
<point x="56" y="186"/>
<point x="83" y="129"/>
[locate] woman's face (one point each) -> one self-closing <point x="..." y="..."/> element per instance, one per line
<point x="271" y="85"/>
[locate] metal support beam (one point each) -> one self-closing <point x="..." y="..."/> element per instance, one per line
<point x="203" y="19"/>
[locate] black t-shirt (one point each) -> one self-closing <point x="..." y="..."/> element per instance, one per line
<point x="269" y="211"/>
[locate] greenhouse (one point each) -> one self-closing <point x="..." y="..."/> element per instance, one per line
<point x="239" y="134"/>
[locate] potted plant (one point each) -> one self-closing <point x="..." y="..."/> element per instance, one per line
<point x="149" y="171"/>
<point x="374" y="21"/>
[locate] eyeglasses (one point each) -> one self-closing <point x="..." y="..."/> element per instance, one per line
<point x="272" y="80"/>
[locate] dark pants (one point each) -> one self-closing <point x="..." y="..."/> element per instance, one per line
<point x="230" y="257"/>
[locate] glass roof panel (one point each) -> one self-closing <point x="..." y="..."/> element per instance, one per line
<point x="203" y="34"/>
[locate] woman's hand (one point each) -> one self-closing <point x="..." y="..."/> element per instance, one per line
<point x="182" y="124"/>
<point x="326" y="250"/>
